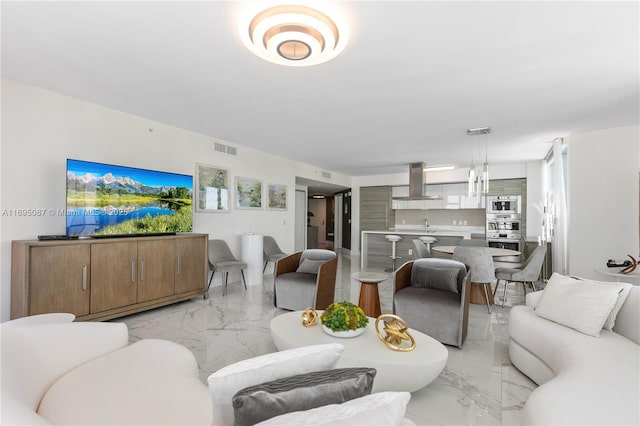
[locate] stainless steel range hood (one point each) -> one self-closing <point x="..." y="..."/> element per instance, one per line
<point x="417" y="173"/>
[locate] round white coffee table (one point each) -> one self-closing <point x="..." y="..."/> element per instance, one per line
<point x="396" y="371"/>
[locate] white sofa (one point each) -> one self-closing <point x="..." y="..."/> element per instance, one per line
<point x="584" y="380"/>
<point x="58" y="372"/>
<point x="55" y="371"/>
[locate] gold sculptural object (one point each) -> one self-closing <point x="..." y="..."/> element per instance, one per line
<point x="632" y="267"/>
<point x="395" y="331"/>
<point x="309" y="317"/>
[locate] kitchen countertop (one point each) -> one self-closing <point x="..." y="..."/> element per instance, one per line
<point x="463" y="234"/>
<point x="376" y="238"/>
<point x="455" y="231"/>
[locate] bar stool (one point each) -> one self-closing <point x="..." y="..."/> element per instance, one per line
<point x="393" y="239"/>
<point x="428" y="241"/>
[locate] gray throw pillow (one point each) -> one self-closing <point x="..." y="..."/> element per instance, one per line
<point x="436" y="278"/>
<point x="301" y="392"/>
<point x="309" y="266"/>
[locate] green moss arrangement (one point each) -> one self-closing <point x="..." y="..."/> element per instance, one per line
<point x="344" y="316"/>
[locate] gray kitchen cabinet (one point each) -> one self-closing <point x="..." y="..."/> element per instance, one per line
<point x="376" y="213"/>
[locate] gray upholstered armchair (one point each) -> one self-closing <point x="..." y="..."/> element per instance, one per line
<point x="305" y="279"/>
<point x="432" y="296"/>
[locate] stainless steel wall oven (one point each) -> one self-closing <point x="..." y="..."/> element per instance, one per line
<point x="504" y="204"/>
<point x="504" y="230"/>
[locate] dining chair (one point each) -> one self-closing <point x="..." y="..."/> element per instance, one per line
<point x="529" y="272"/>
<point x="480" y="264"/>
<point x="222" y="260"/>
<point x="271" y="251"/>
<point x="428" y="240"/>
<point x="421" y="249"/>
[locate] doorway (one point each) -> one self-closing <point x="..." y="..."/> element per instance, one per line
<point x="324" y="213"/>
<point x="330" y="214"/>
<point x="346" y="219"/>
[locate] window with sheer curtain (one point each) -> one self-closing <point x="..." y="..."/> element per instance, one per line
<point x="555" y="209"/>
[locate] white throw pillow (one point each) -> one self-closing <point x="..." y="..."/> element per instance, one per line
<point x="622" y="296"/>
<point x="581" y="305"/>
<point x="226" y="382"/>
<point x="382" y="408"/>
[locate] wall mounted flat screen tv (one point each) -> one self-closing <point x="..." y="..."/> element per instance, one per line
<point x="105" y="200"/>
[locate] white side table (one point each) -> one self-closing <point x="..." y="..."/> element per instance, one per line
<point x="631" y="278"/>
<point x="252" y="255"/>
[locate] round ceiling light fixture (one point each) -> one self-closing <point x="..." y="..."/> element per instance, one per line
<point x="293" y="34"/>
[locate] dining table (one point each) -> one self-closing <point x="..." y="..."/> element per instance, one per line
<point x="477" y="296"/>
<point x="493" y="251"/>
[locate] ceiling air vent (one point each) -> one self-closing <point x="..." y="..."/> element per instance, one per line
<point x="326" y="175"/>
<point x="231" y="150"/>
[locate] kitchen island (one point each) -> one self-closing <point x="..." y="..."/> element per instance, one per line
<point x="376" y="250"/>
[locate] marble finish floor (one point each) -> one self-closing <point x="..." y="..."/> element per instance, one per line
<point x="479" y="386"/>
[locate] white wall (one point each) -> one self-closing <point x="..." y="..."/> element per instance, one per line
<point x="41" y="129"/>
<point x="603" y="169"/>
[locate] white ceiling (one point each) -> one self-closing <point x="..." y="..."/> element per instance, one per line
<point x="413" y="77"/>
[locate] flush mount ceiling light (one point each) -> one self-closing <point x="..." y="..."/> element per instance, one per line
<point x="293" y="34"/>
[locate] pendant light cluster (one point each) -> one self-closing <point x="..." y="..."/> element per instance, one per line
<point x="294" y="34"/>
<point x="479" y="181"/>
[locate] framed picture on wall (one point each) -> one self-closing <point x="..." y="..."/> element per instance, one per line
<point x="248" y="193"/>
<point x="276" y="197"/>
<point x="212" y="188"/>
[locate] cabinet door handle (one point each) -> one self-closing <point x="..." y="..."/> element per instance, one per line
<point x="133" y="271"/>
<point x="142" y="270"/>
<point x="179" y="264"/>
<point x="84" y="277"/>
